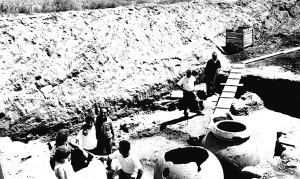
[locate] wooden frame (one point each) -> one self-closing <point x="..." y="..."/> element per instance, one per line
<point x="242" y="38"/>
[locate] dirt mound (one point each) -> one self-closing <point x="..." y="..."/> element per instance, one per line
<point x="55" y="67"/>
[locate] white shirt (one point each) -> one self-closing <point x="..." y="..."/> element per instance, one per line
<point x="130" y="164"/>
<point x="107" y="128"/>
<point x="89" y="141"/>
<point x="187" y="83"/>
<point x="68" y="171"/>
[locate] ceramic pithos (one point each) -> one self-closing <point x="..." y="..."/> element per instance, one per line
<point x="188" y="163"/>
<point x="231" y="142"/>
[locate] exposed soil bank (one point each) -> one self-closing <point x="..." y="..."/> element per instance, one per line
<point x="55" y="67"/>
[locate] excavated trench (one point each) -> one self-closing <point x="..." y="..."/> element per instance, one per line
<point x="279" y="95"/>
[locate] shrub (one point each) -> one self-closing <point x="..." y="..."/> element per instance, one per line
<point x="66" y="5"/>
<point x="48" y="6"/>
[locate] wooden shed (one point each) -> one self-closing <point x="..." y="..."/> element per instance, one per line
<point x="241" y="38"/>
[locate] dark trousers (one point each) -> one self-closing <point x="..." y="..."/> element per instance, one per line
<point x="211" y="85"/>
<point x="210" y="88"/>
<point x="105" y="148"/>
<point x="123" y="175"/>
<point x="190" y="101"/>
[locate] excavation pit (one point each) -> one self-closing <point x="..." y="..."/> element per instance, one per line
<point x="278" y="95"/>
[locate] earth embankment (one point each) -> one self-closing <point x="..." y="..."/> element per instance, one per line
<point x="55" y="67"/>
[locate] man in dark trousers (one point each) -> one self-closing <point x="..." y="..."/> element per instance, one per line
<point x="212" y="69"/>
<point x="105" y="134"/>
<point x="190" y="100"/>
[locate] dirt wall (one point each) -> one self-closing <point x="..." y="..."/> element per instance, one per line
<point x="55" y="67"/>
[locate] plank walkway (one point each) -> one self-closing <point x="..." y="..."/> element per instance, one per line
<point x="225" y="100"/>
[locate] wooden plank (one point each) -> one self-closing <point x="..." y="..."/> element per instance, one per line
<point x="228" y="84"/>
<point x="214" y="103"/>
<point x="242" y="28"/>
<point x="225" y="103"/>
<point x="248" y="40"/>
<point x="230" y="89"/>
<point x="220" y="111"/>
<point x="247" y="31"/>
<point x="238" y="43"/>
<point x="233" y="40"/>
<point x="236" y="70"/>
<point x="270" y="55"/>
<point x="235" y="43"/>
<point x="235" y="76"/>
<point x="234" y="36"/>
<point x="246" y="37"/>
<point x="232" y="82"/>
<point x="176" y="94"/>
<point x="2" y="174"/>
<point x="238" y="65"/>
<point x="227" y="94"/>
<point x="248" y="34"/>
<point x="234" y="33"/>
<point x="164" y="101"/>
<point x="248" y="43"/>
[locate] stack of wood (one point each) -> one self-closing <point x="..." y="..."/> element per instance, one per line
<point x="241" y="38"/>
<point x="170" y="101"/>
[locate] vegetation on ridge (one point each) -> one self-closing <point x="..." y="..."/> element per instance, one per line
<point x="45" y="6"/>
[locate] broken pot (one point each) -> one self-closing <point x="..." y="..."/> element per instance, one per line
<point x="188" y="163"/>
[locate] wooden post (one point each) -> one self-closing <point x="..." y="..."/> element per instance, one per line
<point x="2" y="175"/>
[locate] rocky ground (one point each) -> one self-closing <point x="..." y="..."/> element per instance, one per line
<point x="57" y="67"/>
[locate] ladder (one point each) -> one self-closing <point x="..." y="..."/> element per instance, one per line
<point x="225" y="100"/>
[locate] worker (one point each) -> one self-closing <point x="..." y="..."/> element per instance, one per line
<point x="63" y="168"/>
<point x="60" y="140"/>
<point x="105" y="134"/>
<point x="212" y="69"/>
<point x="86" y="137"/>
<point x="190" y="100"/>
<point x="131" y="167"/>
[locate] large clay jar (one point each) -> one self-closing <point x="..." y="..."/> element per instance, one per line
<point x="230" y="141"/>
<point x="188" y="163"/>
